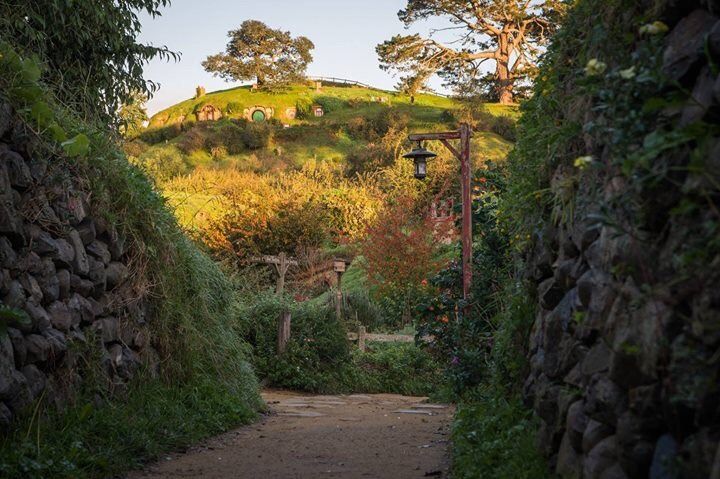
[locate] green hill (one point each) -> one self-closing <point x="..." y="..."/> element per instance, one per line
<point x="355" y="119"/>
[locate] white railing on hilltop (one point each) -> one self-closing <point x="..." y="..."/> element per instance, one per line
<point x="345" y="81"/>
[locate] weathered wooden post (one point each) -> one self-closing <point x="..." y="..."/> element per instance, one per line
<point x="281" y="263"/>
<point x="339" y="268"/>
<point x="420" y="156"/>
<point x="283" y="331"/>
<point x="361" y="338"/>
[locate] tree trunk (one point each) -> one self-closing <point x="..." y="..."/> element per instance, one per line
<point x="504" y="82"/>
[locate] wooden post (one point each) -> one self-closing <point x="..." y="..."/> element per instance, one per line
<point x="283" y="331"/>
<point x="466" y="174"/>
<point x="281" y="263"/>
<point x="463" y="154"/>
<point x="361" y="338"/>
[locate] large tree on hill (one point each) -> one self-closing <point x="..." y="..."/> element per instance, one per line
<point x="257" y="52"/>
<point x="509" y="33"/>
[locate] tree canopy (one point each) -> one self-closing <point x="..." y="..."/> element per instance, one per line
<point x="509" y="33"/>
<point x="257" y="52"/>
<point x="93" y="59"/>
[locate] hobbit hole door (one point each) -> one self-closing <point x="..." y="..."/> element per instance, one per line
<point x="258" y="116"/>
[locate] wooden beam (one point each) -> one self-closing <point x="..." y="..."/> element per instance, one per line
<point x="448" y="135"/>
<point x="452" y="149"/>
<point x="267" y="259"/>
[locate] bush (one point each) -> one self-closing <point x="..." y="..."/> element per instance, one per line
<point x="194" y="139"/>
<point x="231" y="136"/>
<point x="257" y="136"/>
<point x="163" y="163"/>
<point x="494" y="438"/>
<point x="153" y="136"/>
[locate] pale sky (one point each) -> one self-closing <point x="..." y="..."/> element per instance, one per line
<point x="345" y="33"/>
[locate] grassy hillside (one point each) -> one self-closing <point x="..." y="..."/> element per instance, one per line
<point x="340" y="103"/>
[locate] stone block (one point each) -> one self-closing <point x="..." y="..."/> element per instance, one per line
<point x="18" y="344"/>
<point x="8" y="257"/>
<point x="99" y="250"/>
<point x="65" y="255"/>
<point x="601" y="458"/>
<point x="116" y="273"/>
<point x="685" y="45"/>
<point x="38" y="349"/>
<point x="18" y="171"/>
<point x="63" y="277"/>
<point x="60" y="316"/>
<point x="36" y="380"/>
<point x="86" y="230"/>
<point x="80" y="264"/>
<point x="39" y="317"/>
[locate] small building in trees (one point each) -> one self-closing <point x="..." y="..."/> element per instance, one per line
<point x="291" y="113"/>
<point x="209" y="113"/>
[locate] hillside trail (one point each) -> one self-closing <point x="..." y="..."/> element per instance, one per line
<point x="311" y="436"/>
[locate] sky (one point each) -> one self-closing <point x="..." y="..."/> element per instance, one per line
<point x="345" y="33"/>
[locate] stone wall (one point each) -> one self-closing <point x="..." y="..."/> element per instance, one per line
<point x="625" y="349"/>
<point x="68" y="269"/>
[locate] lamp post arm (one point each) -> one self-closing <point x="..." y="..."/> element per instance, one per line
<point x="452" y="149"/>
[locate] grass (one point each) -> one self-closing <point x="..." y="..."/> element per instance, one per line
<point x="340" y="104"/>
<point x="101" y="440"/>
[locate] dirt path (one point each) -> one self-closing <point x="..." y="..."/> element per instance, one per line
<point x="357" y="436"/>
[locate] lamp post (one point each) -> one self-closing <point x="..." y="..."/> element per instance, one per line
<point x="420" y="155"/>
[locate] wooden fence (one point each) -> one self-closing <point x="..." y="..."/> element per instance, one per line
<point x="362" y="337"/>
<point x="344" y="81"/>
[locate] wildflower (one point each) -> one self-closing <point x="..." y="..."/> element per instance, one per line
<point x="455" y="360"/>
<point x="628" y="73"/>
<point x="424" y="282"/>
<point x="595" y="67"/>
<point x="482" y="180"/>
<point x="444" y="319"/>
<point x="654" y="28"/>
<point x="583" y="162"/>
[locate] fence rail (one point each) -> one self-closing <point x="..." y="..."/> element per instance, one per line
<point x="362" y="337"/>
<point x="345" y="81"/>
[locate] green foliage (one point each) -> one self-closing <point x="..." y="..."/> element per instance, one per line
<point x="204" y="382"/>
<point x="163" y="163"/>
<point x="93" y="58"/>
<point x="11" y="317"/>
<point x="483" y="32"/>
<point x="257" y="135"/>
<point x="96" y="439"/>
<point x="257" y="52"/>
<point x="319" y="358"/>
<point x="493" y="438"/>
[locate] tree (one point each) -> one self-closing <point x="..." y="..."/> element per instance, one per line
<point x="133" y="115"/>
<point x="255" y="51"/>
<point x="411" y="84"/>
<point x="509" y="33"/>
<point x="93" y="60"/>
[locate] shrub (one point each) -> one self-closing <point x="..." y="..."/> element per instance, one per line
<point x="304" y="107"/>
<point x="163" y="163"/>
<point x="153" y="136"/>
<point x="331" y="103"/>
<point x="194" y="139"/>
<point x="229" y="135"/>
<point x="256" y="136"/>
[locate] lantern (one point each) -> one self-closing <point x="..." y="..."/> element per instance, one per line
<point x="339" y="265"/>
<point x="420" y="155"/>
